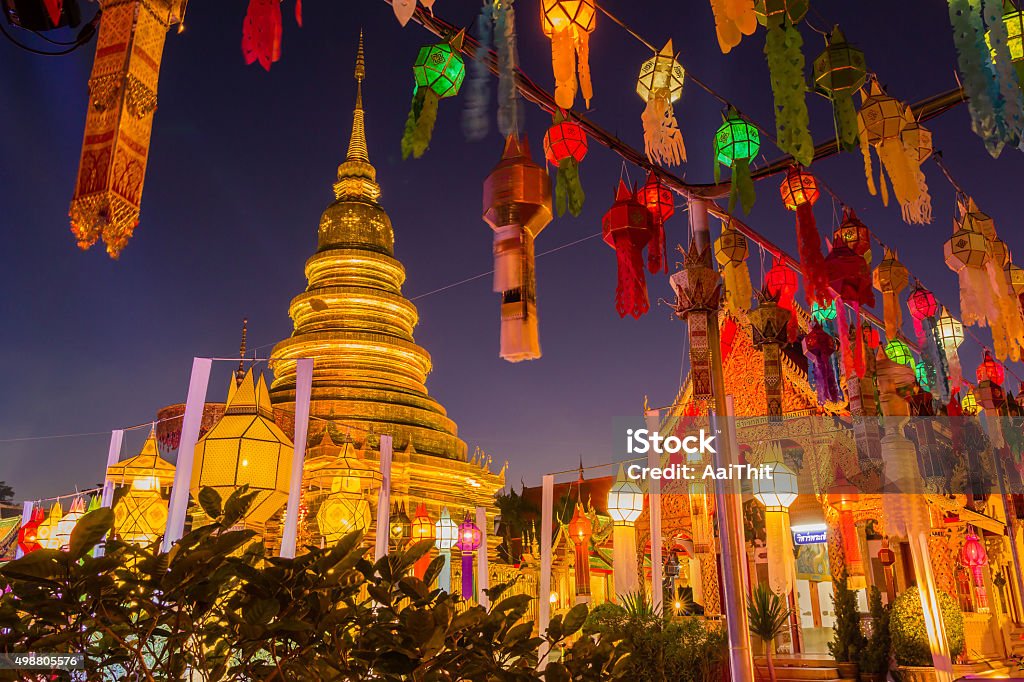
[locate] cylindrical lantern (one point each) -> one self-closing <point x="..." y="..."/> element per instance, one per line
<point x="446" y="534"/>
<point x="626" y="227"/>
<point x="468" y="543"/>
<point x="625" y="504"/>
<point x="776" y="492"/>
<point x="799" y="191"/>
<point x="580" y="529"/>
<point x="731" y="251"/>
<point x="891" y="277"/>
<point x="839" y="72"/>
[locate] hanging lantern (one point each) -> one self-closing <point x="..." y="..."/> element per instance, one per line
<point x="261" y="32"/>
<point x="140" y="515"/>
<point x="346" y="478"/>
<point x="786" y="67"/>
<point x="399" y="526"/>
<point x="625" y="504"/>
<point x="933" y="371"/>
<point x="62" y="533"/>
<point x="819" y="346"/>
<point x="974" y="558"/>
<point x="924" y="378"/>
<point x="854" y="234"/>
<point x="771" y="12"/>
<point x="422" y="529"/>
<point x="899" y="352"/>
<point x="782" y="283"/>
<point x="47" y="531"/>
<point x="119" y="121"/>
<point x="342" y="513"/>
<point x="661" y="204"/>
<point x="850" y="279"/>
<point x="843" y="496"/>
<point x="28" y="534"/>
<point x="569" y="23"/>
<point x="737" y="142"/>
<point x="446" y="534"/>
<point x="950" y="333"/>
<point x="468" y="542"/>
<point x="769" y="322"/>
<point x="891" y="277"/>
<point x="659" y="85"/>
<point x="731" y="252"/>
<point x="776" y="492"/>
<point x="580" y="529"/>
<point x="823" y="315"/>
<point x="839" y="72"/>
<point x="698" y="290"/>
<point x="733" y="20"/>
<point x="969" y="404"/>
<point x="627" y="229"/>
<point x="565" y="146"/>
<point x="625" y="501"/>
<point x="517" y="206"/>
<point x="990" y="370"/>
<point x="438" y="72"/>
<point x="1013" y="21"/>
<point x="990" y="393"/>
<point x="799" y="192"/>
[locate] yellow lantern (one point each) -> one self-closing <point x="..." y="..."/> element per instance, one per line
<point x="246" y="447"/>
<point x="569" y="23"/>
<point x="660" y="84"/>
<point x="348" y="478"/>
<point x="625" y="500"/>
<point x="731" y="251"/>
<point x="776" y="492"/>
<point x="140" y="516"/>
<point x="46" y="534"/>
<point x="62" y="534"/>
<point x="969" y="404"/>
<point x="340" y="514"/>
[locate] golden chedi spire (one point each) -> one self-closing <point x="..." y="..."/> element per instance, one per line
<point x="368" y="373"/>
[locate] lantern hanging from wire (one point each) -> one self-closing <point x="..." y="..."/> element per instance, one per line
<point x="933" y="371"/>
<point x="733" y="20"/>
<point x="119" y="122"/>
<point x="580" y="530"/>
<point x="698" y="297"/>
<point x="399" y="526"/>
<point x="1013" y="23"/>
<point x="405" y="9"/>
<point x="446" y="534"/>
<point x="824" y="315"/>
<point x="737" y="142"/>
<point x="565" y="146"/>
<point x="422" y="529"/>
<point x="1008" y="329"/>
<point x="786" y="67"/>
<point x="469" y="541"/>
<point x="839" y="72"/>
<point x="989" y="392"/>
<point x="627" y="229"/>
<point x="799" y="192"/>
<point x="950" y="333"/>
<point x="849" y="277"/>
<point x="261" y="31"/>
<point x="990" y="370"/>
<point x="899" y="352"/>
<point x="660" y="202"/>
<point x="781" y="281"/>
<point x="46" y="533"/>
<point x="974" y="558"/>
<point x="438" y="73"/>
<point x="659" y="84"/>
<point x="969" y="404"/>
<point x="777" y="492"/>
<point x="891" y="277"/>
<point x="140" y="515"/>
<point x="819" y="346"/>
<point x="854" y="234"/>
<point x="28" y="534"/>
<point x="517" y="206"/>
<point x="569" y="23"/>
<point x="731" y="252"/>
<point x="62" y="534"/>
<point x="769" y="323"/>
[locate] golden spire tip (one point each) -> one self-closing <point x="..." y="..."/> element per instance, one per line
<point x="360" y="60"/>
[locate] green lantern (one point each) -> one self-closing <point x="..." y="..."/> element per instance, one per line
<point x="1013" y="20"/>
<point x="899" y="352"/>
<point x="923" y="380"/>
<point x="839" y="72"/>
<point x="737" y="141"/>
<point x="438" y="71"/>
<point x="823" y="315"/>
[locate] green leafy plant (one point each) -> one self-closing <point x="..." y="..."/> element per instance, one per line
<point x="847" y="638"/>
<point x="874" y="657"/>
<point x="909" y="636"/>
<point x="768" y="617"/>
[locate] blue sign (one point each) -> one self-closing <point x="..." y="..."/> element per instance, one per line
<point x="814" y="537"/>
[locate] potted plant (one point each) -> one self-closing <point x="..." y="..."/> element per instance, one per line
<point x="874" y="657"/>
<point x="847" y="639"/>
<point x="910" y="637"/>
<point x="768" y="618"/>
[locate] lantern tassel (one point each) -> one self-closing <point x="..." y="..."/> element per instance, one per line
<point x="846" y="121"/>
<point x="568" y="189"/>
<point x="656" y="253"/>
<point x="467" y="575"/>
<point x="510" y="108"/>
<point x="786" y="67"/>
<point x="631" y="290"/>
<point x="1010" y="322"/>
<point x="733" y="20"/>
<point x="903" y="172"/>
<point x="583" y="64"/>
<point x="738" y="289"/>
<point x="865" y="150"/>
<point x="931" y="349"/>
<point x="816" y="285"/>
<point x="663" y="141"/>
<point x="825" y="383"/>
<point x="563" y="63"/>
<point x="741" y="186"/>
<point x="419" y="126"/>
<point x="261" y="32"/>
<point x="475" y="115"/>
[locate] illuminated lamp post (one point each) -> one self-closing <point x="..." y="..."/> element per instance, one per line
<point x="468" y="542"/>
<point x="446" y="533"/>
<point x="625" y="504"/>
<point x="422" y="529"/>
<point x="777" y="492"/>
<point x="580" y="530"/>
<point x="974" y="558"/>
<point x="28" y="534"/>
<point x="842" y="495"/>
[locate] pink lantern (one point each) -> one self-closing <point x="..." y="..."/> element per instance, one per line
<point x="974" y="557"/>
<point x="468" y="542"/>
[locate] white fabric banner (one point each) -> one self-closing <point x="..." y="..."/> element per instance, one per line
<point x="303" y="389"/>
<point x="382" y="532"/>
<point x="482" y="578"/>
<point x="544" y="605"/>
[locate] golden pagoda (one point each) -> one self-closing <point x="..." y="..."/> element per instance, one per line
<point x="369" y="373"/>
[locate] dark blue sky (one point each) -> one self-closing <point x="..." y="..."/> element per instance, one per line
<point x="241" y="166"/>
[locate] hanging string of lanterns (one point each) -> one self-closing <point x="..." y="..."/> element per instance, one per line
<point x="799" y="192"/>
<point x="626" y="227"/>
<point x="660" y="203"/>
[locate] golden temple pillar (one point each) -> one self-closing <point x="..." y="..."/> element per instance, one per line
<point x="709" y="583"/>
<point x="943" y="557"/>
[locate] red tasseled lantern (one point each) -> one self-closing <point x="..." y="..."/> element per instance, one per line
<point x="974" y="558"/>
<point x="853" y="233"/>
<point x="565" y="140"/>
<point x="850" y="278"/>
<point x="27" y="534"/>
<point x="782" y="282"/>
<point x="990" y="370"/>
<point x="261" y="32"/>
<point x="627" y="229"/>
<point x="799" y="192"/>
<point x="922" y="304"/>
<point x="659" y="201"/>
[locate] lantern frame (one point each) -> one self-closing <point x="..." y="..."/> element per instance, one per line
<point x="580" y="527"/>
<point x="822" y="315"/>
<point x="28" y="534"/>
<point x="399" y="525"/>
<point x="969" y="404"/>
<point x="625" y="500"/>
<point x="440" y="67"/>
<point x="991" y="370"/>
<point x="840" y="70"/>
<point x="922" y="303"/>
<point x="899" y="352"/>
<point x="342" y="513"/>
<point x="777" y="491"/>
<point x="470" y="536"/>
<point x="736" y="139"/>
<point x="446" y="531"/>
<point x="565" y="14"/>
<point x="798" y="188"/>
<point x="661" y="73"/>
<point x="422" y="526"/>
<point x="950" y="330"/>
<point x="657" y="198"/>
<point x="565" y="140"/>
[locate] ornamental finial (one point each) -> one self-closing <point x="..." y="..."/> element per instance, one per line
<point x="240" y="372"/>
<point x="360" y="61"/>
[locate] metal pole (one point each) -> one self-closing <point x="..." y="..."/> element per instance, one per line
<point x="544" y="605"/>
<point x="382" y="532"/>
<point x="190" y="424"/>
<point x="303" y="389"/>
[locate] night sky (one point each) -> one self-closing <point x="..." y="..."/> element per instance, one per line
<point x="241" y="166"/>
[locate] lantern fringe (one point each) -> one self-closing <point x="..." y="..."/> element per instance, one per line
<point x="738" y="289"/>
<point x="663" y="141"/>
<point x="261" y="32"/>
<point x="931" y="352"/>
<point x="510" y="108"/>
<point x="631" y="290"/>
<point x="475" y="123"/>
<point x="568" y="188"/>
<point x="786" y="66"/>
<point x="741" y="185"/>
<point x="816" y="285"/>
<point x="869" y="171"/>
<point x="583" y="64"/>
<point x="904" y="173"/>
<point x="846" y="121"/>
<point x="919" y="211"/>
<point x="419" y="126"/>
<point x="1009" y="337"/>
<point x="298" y="12"/>
<point x="823" y="378"/>
<point x="563" y="63"/>
<point x="656" y="251"/>
<point x="1010" y="92"/>
<point x="733" y="20"/>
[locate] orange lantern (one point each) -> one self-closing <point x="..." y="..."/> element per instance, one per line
<point x="422" y="529"/>
<point x="569" y="23"/>
<point x="580" y="530"/>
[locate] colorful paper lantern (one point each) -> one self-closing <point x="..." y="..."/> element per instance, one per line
<point x="843" y="496"/>
<point x="799" y="191"/>
<point x="446" y="534"/>
<point x="737" y="142"/>
<point x="422" y="529"/>
<point x="819" y="346"/>
<point x="625" y="500"/>
<point x="854" y="234"/>
<point x="580" y="529"/>
<point x="659" y="84"/>
<point x="399" y="526"/>
<point x="261" y="32"/>
<point x="569" y="23"/>
<point x="974" y="558"/>
<point x="565" y="146"/>
<point x="823" y="315"/>
<point x="923" y="378"/>
<point x="776" y="492"/>
<point x="733" y="20"/>
<point x="782" y="283"/>
<point x="47" y="531"/>
<point x="899" y="352"/>
<point x="969" y="404"/>
<point x="342" y="513"/>
<point x="990" y="370"/>
<point x="469" y="541"/>
<point x="839" y="72"/>
<point x="698" y="297"/>
<point x="140" y="515"/>
<point x="28" y="534"/>
<point x="62" y="533"/>
<point x="891" y="277"/>
<point x="660" y="202"/>
<point x="438" y="73"/>
<point x="626" y="227"/>
<point x="774" y="12"/>
<point x="731" y="252"/>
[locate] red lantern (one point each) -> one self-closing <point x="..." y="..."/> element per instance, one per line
<point x="659" y="201"/>
<point x="799" y="192"/>
<point x="782" y="283"/>
<point x="27" y="534"/>
<point x="422" y="529"/>
<point x="565" y="140"/>
<point x="627" y="229"/>
<point x="842" y="495"/>
<point x="853" y="233"/>
<point x="580" y="530"/>
<point x="850" y="279"/>
<point x="886" y="557"/>
<point x="922" y="303"/>
<point x="990" y="370"/>
<point x="974" y="558"/>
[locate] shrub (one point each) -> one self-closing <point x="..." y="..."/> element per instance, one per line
<point x="909" y="636"/>
<point x="874" y="658"/>
<point x="847" y="638"/>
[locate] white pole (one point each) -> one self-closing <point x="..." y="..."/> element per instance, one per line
<point x="303" y="388"/>
<point x="190" y="424"/>
<point x="482" y="579"/>
<point x="113" y="456"/>
<point x="382" y="532"/>
<point x="26" y="516"/>
<point x="544" y="606"/>
<point x="654" y="502"/>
